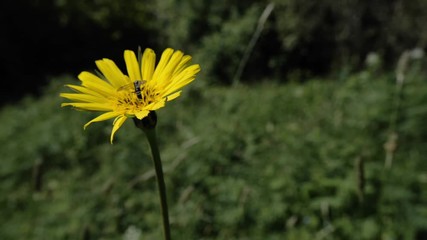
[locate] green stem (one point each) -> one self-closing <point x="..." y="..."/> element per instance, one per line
<point x="151" y="136"/>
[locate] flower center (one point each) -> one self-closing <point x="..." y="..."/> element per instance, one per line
<point x="133" y="98"/>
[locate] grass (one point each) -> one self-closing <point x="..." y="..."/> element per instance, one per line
<point x="266" y="161"/>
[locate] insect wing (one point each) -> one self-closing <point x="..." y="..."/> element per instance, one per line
<point x="129" y="86"/>
<point x="132" y="86"/>
<point x="140" y="83"/>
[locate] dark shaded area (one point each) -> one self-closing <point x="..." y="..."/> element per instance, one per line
<point x="300" y="39"/>
<point x="36" y="45"/>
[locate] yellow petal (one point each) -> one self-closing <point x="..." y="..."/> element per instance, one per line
<point x="142" y="114"/>
<point x="166" y="74"/>
<point x="164" y="59"/>
<point x="173" y="96"/>
<point x="83" y="97"/>
<point x="177" y="86"/>
<point x="96" y="84"/>
<point x="89" y="106"/>
<point x="182" y="65"/>
<point x="182" y="79"/>
<point x="132" y="65"/>
<point x="148" y="63"/>
<point x="85" y="90"/>
<point x="112" y="73"/>
<point x="156" y="105"/>
<point x="102" y="117"/>
<point x="118" y="122"/>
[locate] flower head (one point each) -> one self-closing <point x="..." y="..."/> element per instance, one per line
<point x="145" y="88"/>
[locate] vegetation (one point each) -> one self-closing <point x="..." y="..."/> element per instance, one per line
<point x="268" y="161"/>
<point x="323" y="137"/>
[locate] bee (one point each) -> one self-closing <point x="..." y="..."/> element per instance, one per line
<point x="135" y="86"/>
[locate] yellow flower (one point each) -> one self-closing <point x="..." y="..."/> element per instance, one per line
<point x="146" y="88"/>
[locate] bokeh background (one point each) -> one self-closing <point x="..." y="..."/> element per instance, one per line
<point x="306" y="122"/>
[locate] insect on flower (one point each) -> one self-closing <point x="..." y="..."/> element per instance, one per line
<point x="136" y="86"/>
<point x="147" y="87"/>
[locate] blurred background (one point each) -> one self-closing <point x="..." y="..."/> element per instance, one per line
<point x="306" y="122"/>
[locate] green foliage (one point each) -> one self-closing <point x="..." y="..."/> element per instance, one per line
<point x="216" y="31"/>
<point x="120" y="19"/>
<point x="320" y="35"/>
<point x="223" y="49"/>
<point x="262" y="162"/>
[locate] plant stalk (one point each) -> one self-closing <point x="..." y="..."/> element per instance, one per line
<point x="151" y="136"/>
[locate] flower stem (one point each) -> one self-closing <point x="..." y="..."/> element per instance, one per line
<point x="151" y="136"/>
<point x="148" y="126"/>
